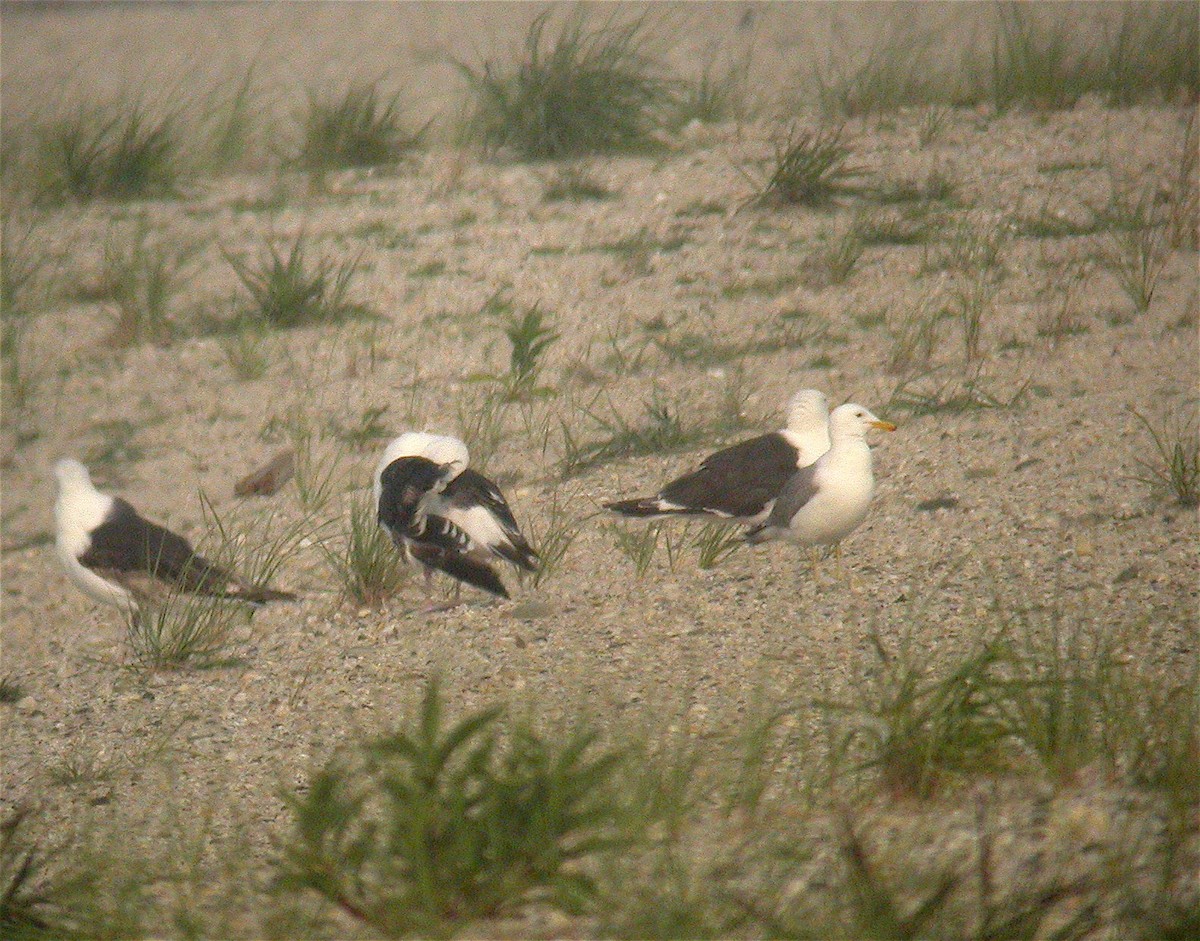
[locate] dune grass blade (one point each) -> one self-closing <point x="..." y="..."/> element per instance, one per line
<point x="365" y="561"/>
<point x="1174" y="463"/>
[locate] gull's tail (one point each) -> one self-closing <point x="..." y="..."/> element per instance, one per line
<point x="646" y="507"/>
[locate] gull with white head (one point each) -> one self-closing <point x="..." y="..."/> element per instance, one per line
<point x="823" y="503"/>
<point x="446" y="515"/>
<point x="739" y="484"/>
<point x="115" y="556"/>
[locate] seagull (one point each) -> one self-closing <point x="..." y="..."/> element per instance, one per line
<point x="823" y="503"/>
<point x="740" y="483"/>
<point x="117" y="557"/>
<point x="444" y="514"/>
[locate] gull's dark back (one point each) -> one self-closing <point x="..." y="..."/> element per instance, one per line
<point x="127" y="543"/>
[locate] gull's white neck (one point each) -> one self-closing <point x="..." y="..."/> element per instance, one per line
<point x="79" y="509"/>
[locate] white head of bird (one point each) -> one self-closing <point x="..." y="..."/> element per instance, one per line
<point x="854" y="421"/>
<point x="808" y="408"/>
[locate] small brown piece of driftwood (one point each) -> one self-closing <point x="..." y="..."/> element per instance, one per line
<point x="268" y="478"/>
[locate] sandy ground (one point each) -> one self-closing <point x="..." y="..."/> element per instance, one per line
<point x="1043" y="509"/>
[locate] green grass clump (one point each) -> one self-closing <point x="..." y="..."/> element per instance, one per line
<point x="809" y="168"/>
<point x="921" y="731"/>
<point x="1138" y="244"/>
<point x="531" y="336"/>
<point x="183" y="630"/>
<point x="362" y="128"/>
<point x="443" y="823"/>
<point x="1151" y="52"/>
<point x="587" y="90"/>
<point x="1174" y="464"/>
<point x="286" y="290"/>
<point x="894" y="72"/>
<point x="364" y="560"/>
<point x="30" y="898"/>
<point x="119" y="154"/>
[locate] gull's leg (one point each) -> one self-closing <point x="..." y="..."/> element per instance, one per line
<point x="814" y="560"/>
<point x="435" y="607"/>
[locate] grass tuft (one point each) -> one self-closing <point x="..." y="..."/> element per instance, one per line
<point x="715" y="542"/>
<point x="810" y="168"/>
<point x="364" y="561"/>
<point x="442" y="823"/>
<point x="587" y="90"/>
<point x="531" y="337"/>
<point x="922" y="731"/>
<point x="1138" y="244"/>
<point x="30" y="901"/>
<point x="142" y="274"/>
<point x="1174" y="464"/>
<point x="118" y="154"/>
<point x="183" y="630"/>
<point x="964" y="394"/>
<point x="362" y="128"/>
<point x="661" y="431"/>
<point x="638" y="543"/>
<point x="288" y="291"/>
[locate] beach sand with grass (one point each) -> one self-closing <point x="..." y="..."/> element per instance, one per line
<point x="978" y="221"/>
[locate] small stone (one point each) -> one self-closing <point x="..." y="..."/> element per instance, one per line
<point x="1127" y="574"/>
<point x="27" y="704"/>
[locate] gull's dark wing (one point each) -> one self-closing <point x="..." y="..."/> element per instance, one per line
<point x="460" y="566"/>
<point x="801" y="488"/>
<point x="126" y="543"/>
<point x="471" y="489"/>
<point x="737" y="481"/>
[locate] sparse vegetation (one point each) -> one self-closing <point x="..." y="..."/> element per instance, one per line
<point x="971" y="303"/>
<point x="1174" y="464"/>
<point x="288" y="291"/>
<point x="366" y="564"/>
<point x="835" y="262"/>
<point x="809" y="168"/>
<point x="443" y="822"/>
<point x="662" y="430"/>
<point x="1137" y="245"/>
<point x="531" y="337"/>
<point x="118" y="153"/>
<point x="362" y="128"/>
<point x="143" y="273"/>
<point x="917" y="395"/>
<point x="715" y="542"/>
<point x="590" y="89"/>
<point x="716" y="95"/>
<point x="183" y="630"/>
<point x="914" y="338"/>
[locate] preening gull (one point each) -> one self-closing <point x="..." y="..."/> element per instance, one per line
<point x="444" y="514"/>
<point x="823" y="503"/>
<point x="117" y="557"/>
<point x="740" y="483"/>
